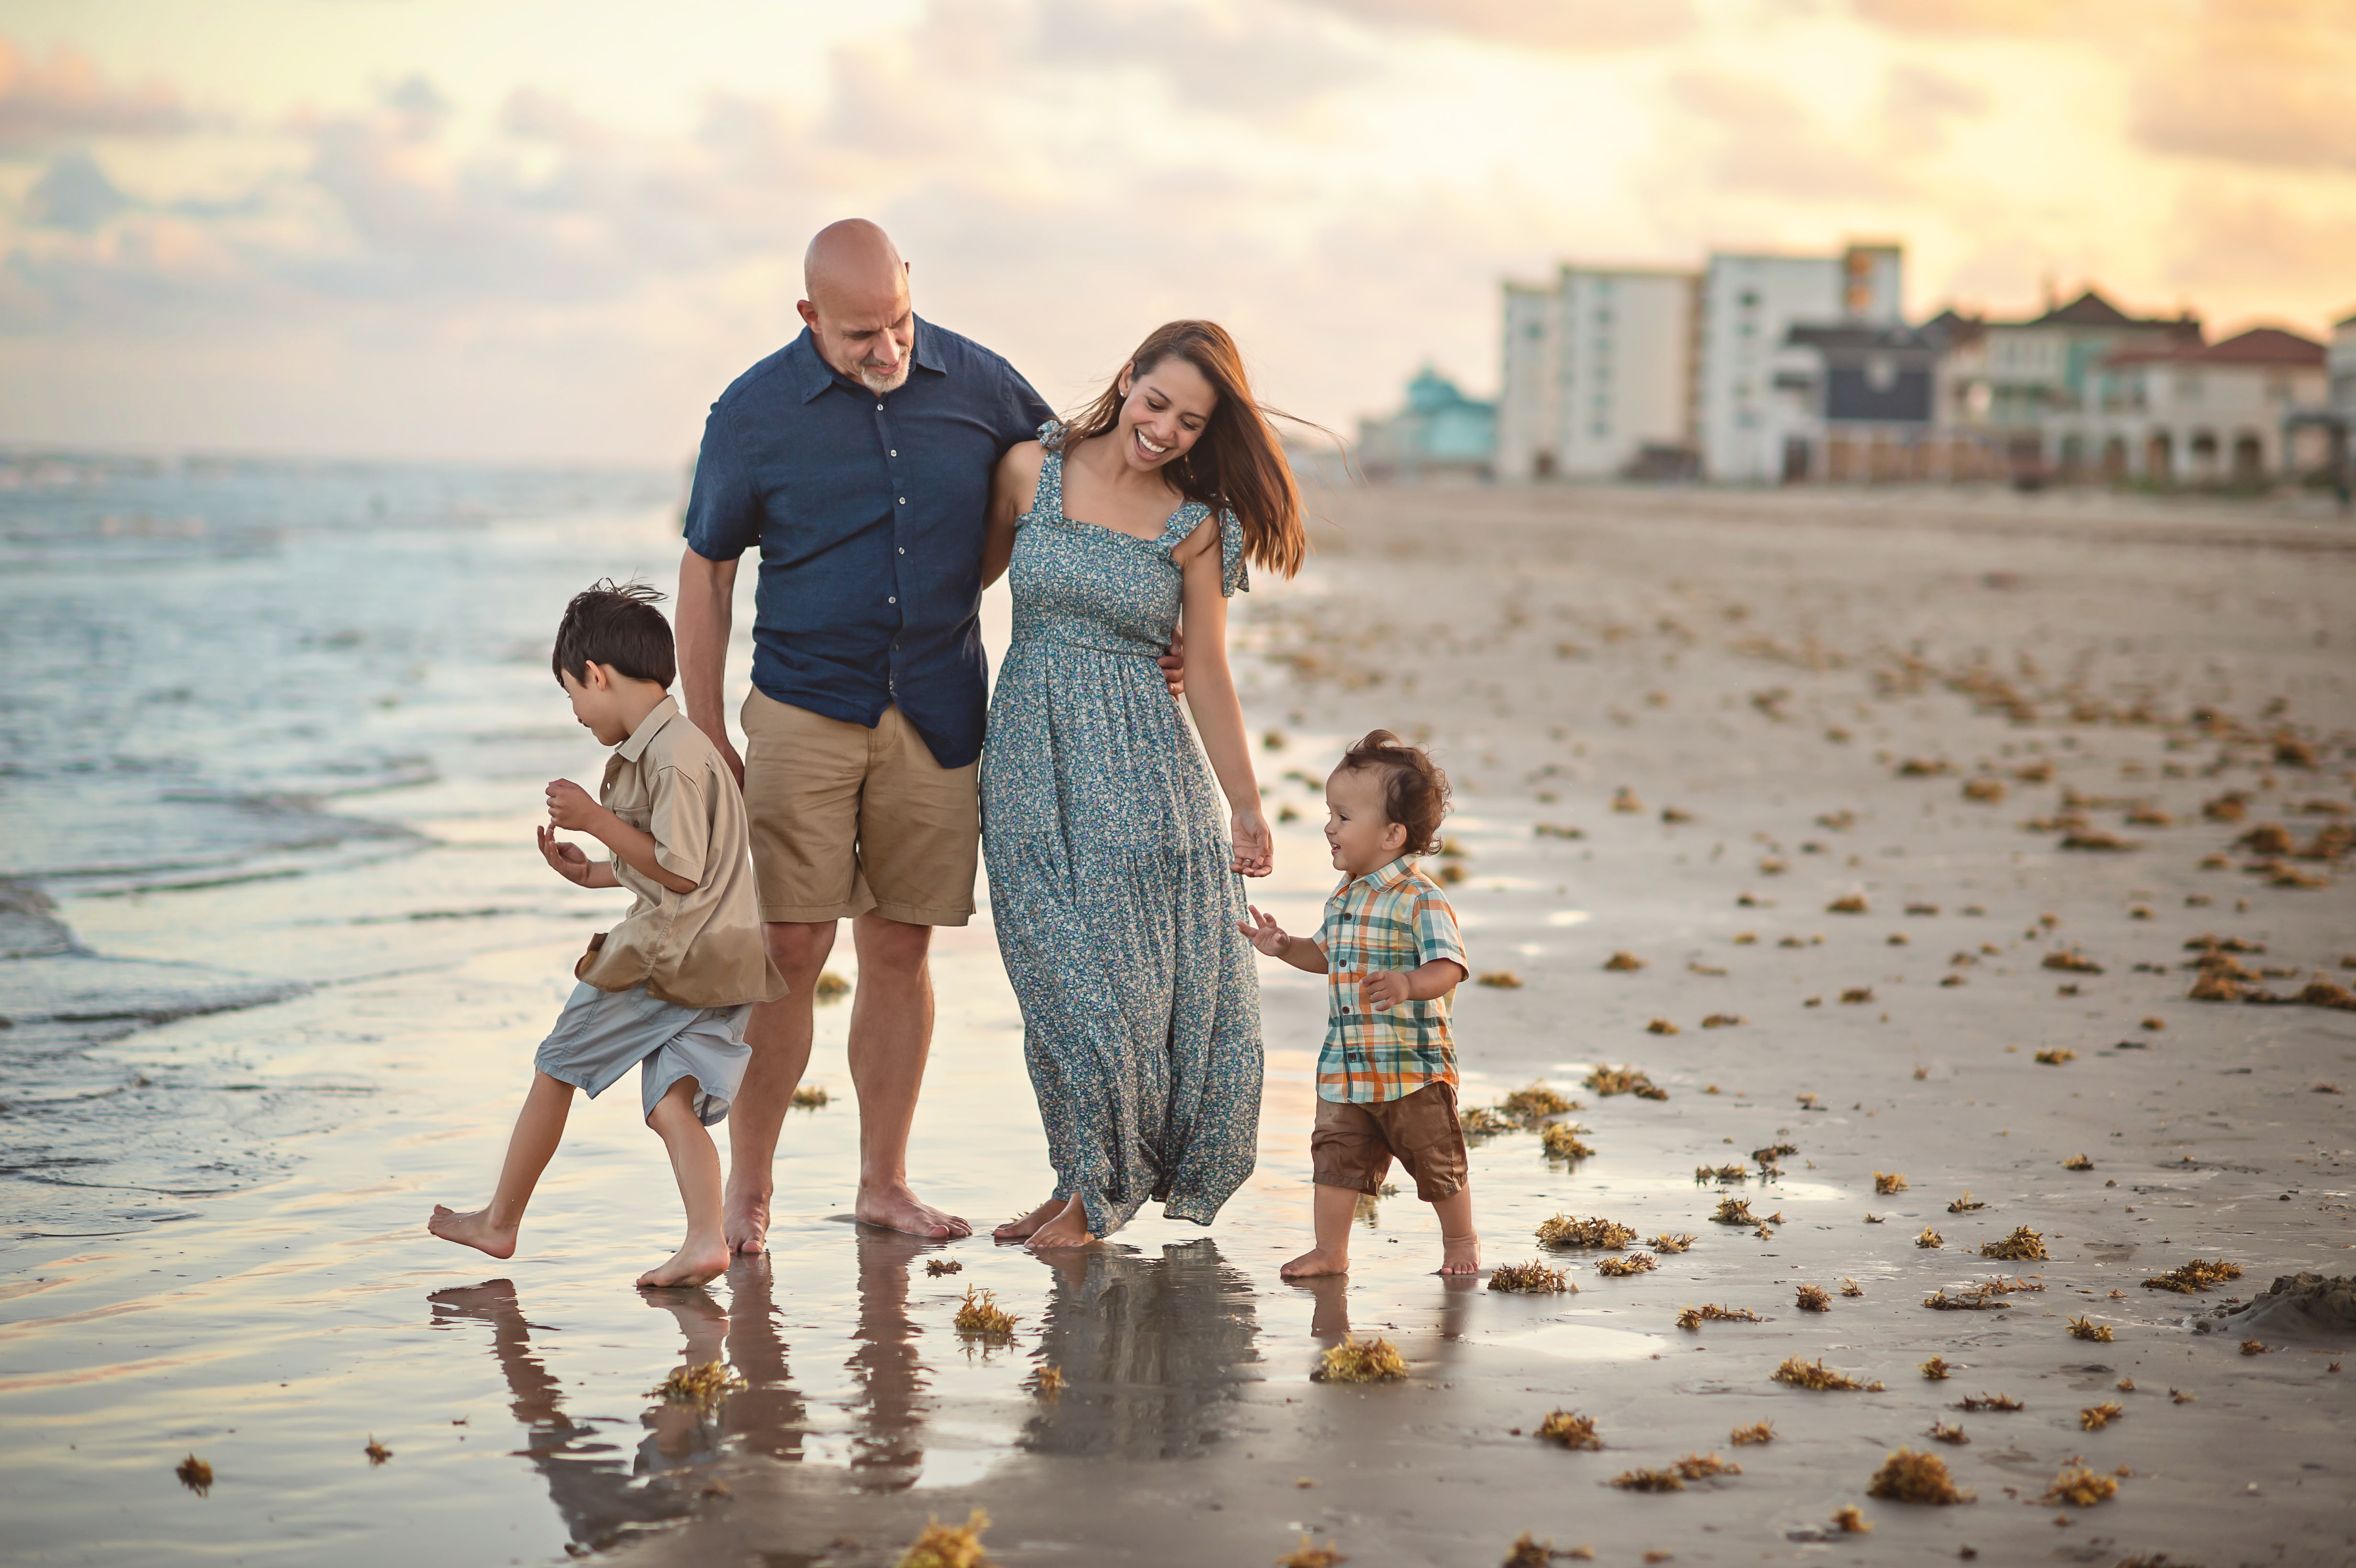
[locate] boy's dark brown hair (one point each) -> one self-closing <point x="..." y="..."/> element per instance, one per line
<point x="616" y="624"/>
<point x="1415" y="792"/>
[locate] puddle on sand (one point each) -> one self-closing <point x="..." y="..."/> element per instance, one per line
<point x="1577" y="1342"/>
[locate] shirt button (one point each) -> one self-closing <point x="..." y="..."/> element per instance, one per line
<point x="895" y="451"/>
<point x="903" y="500"/>
<point x="904" y="549"/>
<point x="878" y="408"/>
<point x="895" y="599"/>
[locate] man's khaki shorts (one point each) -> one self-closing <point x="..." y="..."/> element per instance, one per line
<point x="1352" y="1145"/>
<point x="846" y="820"/>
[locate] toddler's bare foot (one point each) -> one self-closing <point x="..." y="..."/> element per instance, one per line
<point x="698" y="1259"/>
<point x="1021" y="1229"/>
<point x="473" y="1230"/>
<point x="897" y="1209"/>
<point x="744" y="1217"/>
<point x="1067" y="1229"/>
<point x="1315" y="1262"/>
<point x="1459" y="1255"/>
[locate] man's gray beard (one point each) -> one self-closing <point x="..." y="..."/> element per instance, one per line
<point x="879" y="385"/>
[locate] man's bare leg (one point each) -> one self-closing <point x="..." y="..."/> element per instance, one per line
<point x="780" y="1034"/>
<point x="891" y="1036"/>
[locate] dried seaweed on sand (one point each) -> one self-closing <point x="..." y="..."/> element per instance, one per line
<point x="1498" y="979"/>
<point x="1610" y="1081"/>
<point x="1623" y="964"/>
<point x="2095" y="1417"/>
<point x="1911" y="1475"/>
<point x="1886" y="1182"/>
<point x="1480" y="1122"/>
<point x="1562" y="1142"/>
<point x="2195" y="1275"/>
<point x="1948" y="1432"/>
<point x="1723" y="1020"/>
<point x="1970" y="1301"/>
<point x="1985" y="1400"/>
<point x="2056" y="1056"/>
<point x="194" y="1474"/>
<point x="1355" y="1361"/>
<point x="1649" y="1481"/>
<point x="1712" y="1312"/>
<point x="1936" y="1368"/>
<point x="1570" y="1430"/>
<point x="811" y="1097"/>
<point x="1966" y="1204"/>
<point x="2022" y="1246"/>
<point x="949" y="1546"/>
<point x="1309" y="1555"/>
<point x="1848" y="903"/>
<point x="1930" y="1240"/>
<point x="1734" y="1211"/>
<point x="377" y="1452"/>
<point x="1660" y="1026"/>
<point x="942" y="1265"/>
<point x="1532" y="1278"/>
<point x="2078" y="1486"/>
<point x="1813" y="1299"/>
<point x="1535" y="1103"/>
<point x="1817" y="1376"/>
<point x="1562" y="1233"/>
<point x="830" y="987"/>
<point x="1752" y="1435"/>
<point x="1850" y="1287"/>
<point x="1048" y="1384"/>
<point x="1706" y="1174"/>
<point x="2072" y="963"/>
<point x="1528" y="1552"/>
<point x="2083" y="1328"/>
<point x="1668" y="1242"/>
<point x="979" y="1315"/>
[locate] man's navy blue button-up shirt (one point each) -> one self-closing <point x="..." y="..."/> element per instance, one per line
<point x="869" y="512"/>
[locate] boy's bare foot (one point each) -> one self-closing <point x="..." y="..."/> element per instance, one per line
<point x="1066" y="1230"/>
<point x="897" y="1209"/>
<point x="745" y="1218"/>
<point x="1316" y="1261"/>
<point x="1021" y="1229"/>
<point x="1459" y="1255"/>
<point x="473" y="1230"/>
<point x="696" y="1260"/>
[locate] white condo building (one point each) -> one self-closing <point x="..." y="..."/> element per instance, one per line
<point x="1748" y="305"/>
<point x="1597" y="373"/>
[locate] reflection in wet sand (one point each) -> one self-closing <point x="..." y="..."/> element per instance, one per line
<point x="887" y="1453"/>
<point x="766" y="1416"/>
<point x="1153" y="1353"/>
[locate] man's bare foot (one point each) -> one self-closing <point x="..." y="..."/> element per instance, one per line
<point x="1021" y="1229"/>
<point x="898" y="1210"/>
<point x="697" y="1260"/>
<point x="473" y="1230"/>
<point x="1459" y="1255"/>
<point x="1066" y="1230"/>
<point x="745" y="1218"/>
<point x="1316" y="1261"/>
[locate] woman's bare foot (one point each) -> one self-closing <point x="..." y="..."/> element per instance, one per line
<point x="1067" y="1229"/>
<point x="699" y="1258"/>
<point x="746" y="1219"/>
<point x="1459" y="1255"/>
<point x="473" y="1230"/>
<point x="1316" y="1261"/>
<point x="1021" y="1229"/>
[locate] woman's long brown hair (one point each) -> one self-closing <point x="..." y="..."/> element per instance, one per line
<point x="1237" y="462"/>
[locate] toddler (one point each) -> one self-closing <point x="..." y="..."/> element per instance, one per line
<point x="1386" y="1076"/>
<point x="669" y="989"/>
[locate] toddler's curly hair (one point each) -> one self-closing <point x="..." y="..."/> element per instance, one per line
<point x="1415" y="791"/>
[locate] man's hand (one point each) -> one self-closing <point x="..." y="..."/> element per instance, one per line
<point x="1255" y="847"/>
<point x="1384" y="989"/>
<point x="570" y="807"/>
<point x="728" y="754"/>
<point x="1264" y="933"/>
<point x="1173" y="663"/>
<point x="566" y="859"/>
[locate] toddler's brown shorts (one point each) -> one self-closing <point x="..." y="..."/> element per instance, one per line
<point x="1352" y="1146"/>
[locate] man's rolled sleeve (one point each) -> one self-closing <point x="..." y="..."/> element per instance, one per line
<point x="723" y="520"/>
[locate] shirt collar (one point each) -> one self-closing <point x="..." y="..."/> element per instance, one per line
<point x="813" y="374"/>
<point x="1389" y="876"/>
<point x="660" y="714"/>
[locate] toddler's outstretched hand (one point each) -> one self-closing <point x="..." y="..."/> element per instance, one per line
<point x="1384" y="989"/>
<point x="1266" y="935"/>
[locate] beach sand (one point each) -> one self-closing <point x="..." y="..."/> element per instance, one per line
<point x="1796" y="693"/>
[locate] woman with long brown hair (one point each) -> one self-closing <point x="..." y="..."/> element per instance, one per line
<point x="1112" y="880"/>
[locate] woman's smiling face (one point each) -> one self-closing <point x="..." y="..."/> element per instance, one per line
<point x="1163" y="412"/>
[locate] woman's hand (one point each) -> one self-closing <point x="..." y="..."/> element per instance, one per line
<point x="1264" y="933"/>
<point x="1255" y="845"/>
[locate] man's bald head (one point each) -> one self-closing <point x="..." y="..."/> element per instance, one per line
<point x="858" y="309"/>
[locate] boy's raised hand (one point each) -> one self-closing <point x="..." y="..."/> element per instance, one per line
<point x="569" y="805"/>
<point x="1264" y="933"/>
<point x="1384" y="989"/>
<point x="566" y="859"/>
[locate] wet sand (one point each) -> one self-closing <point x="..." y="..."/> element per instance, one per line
<point x="1697" y="651"/>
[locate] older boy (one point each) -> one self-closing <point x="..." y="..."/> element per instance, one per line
<point x="669" y="989"/>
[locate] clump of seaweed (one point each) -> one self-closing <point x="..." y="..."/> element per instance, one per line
<point x="1936" y="1368"/>
<point x="1849" y="1521"/>
<point x="2078" y="1162"/>
<point x="1702" y="1467"/>
<point x="1848" y="903"/>
<point x="1570" y="1429"/>
<point x="1609" y="1080"/>
<point x="1535" y="1103"/>
<point x="2083" y="1328"/>
<point x="1533" y="1278"/>
<point x="1813" y="1299"/>
<point x="1480" y="1122"/>
<point x="1752" y="1435"/>
<point x="1858" y="994"/>
<point x="1887" y="1182"/>
<point x="1706" y="1174"/>
<point x="979" y="1315"/>
<point x="2195" y="1275"/>
<point x="377" y="1452"/>
<point x="1660" y="1026"/>
<point x="1912" y="1476"/>
<point x="1528" y="1552"/>
<point x="942" y="1265"/>
<point x="1712" y="1312"/>
<point x="830" y="987"/>
<point x="1498" y="979"/>
<point x="1308" y="1554"/>
<point x="701" y="1386"/>
<point x="811" y="1097"/>
<point x="1623" y="962"/>
<point x="1642" y="1480"/>
<point x="196" y="1475"/>
<point x="1850" y="1287"/>
<point x="1355" y="1361"/>
<point x="1634" y="1263"/>
<point x="1561" y="1141"/>
<point x="2072" y="962"/>
<point x="1929" y="1239"/>
<point x="2095" y="1417"/>
<point x="1966" y="1204"/>
<point x="1734" y="1211"/>
<point x="2078" y="1486"/>
<point x="1678" y="1243"/>
<point x="1769" y="1154"/>
<point x="1723" y="1020"/>
<point x="1949" y="1432"/>
<point x="949" y="1546"/>
<point x="1563" y="1233"/>
<point x="2056" y="1056"/>
<point x="2254" y="1347"/>
<point x="1970" y="1301"/>
<point x="1985" y="1400"/>
<point x="1817" y="1375"/>
<point x="2022" y="1246"/>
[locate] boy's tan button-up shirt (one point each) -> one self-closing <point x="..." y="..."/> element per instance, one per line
<point x="698" y="949"/>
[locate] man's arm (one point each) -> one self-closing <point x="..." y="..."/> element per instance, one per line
<point x="706" y="593"/>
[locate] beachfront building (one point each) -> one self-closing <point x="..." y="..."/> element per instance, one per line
<point x="1860" y="404"/>
<point x="2185" y="412"/>
<point x="2013" y="384"/>
<point x="1440" y="434"/>
<point x="1748" y="305"/>
<point x="1596" y="379"/>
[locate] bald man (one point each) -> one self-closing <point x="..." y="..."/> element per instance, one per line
<point x="858" y="459"/>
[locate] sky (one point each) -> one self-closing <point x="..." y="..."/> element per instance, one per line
<point x="540" y="230"/>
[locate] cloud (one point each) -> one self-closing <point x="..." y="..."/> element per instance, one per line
<point x="1920" y="101"/>
<point x="63" y="99"/>
<point x="74" y="195"/>
<point x="1970" y="16"/>
<point x="1570" y="27"/>
<point x="1768" y="144"/>
<point x="2260" y="81"/>
<point x="2254" y="244"/>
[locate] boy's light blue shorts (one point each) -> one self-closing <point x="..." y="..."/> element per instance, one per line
<point x="603" y="1034"/>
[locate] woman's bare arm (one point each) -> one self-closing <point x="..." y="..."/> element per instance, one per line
<point x="1211" y="697"/>
<point x="1013" y="484"/>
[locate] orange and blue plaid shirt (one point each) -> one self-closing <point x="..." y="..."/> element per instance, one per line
<point x="1396" y="918"/>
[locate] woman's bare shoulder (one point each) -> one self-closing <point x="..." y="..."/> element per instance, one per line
<point x="1024" y="458"/>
